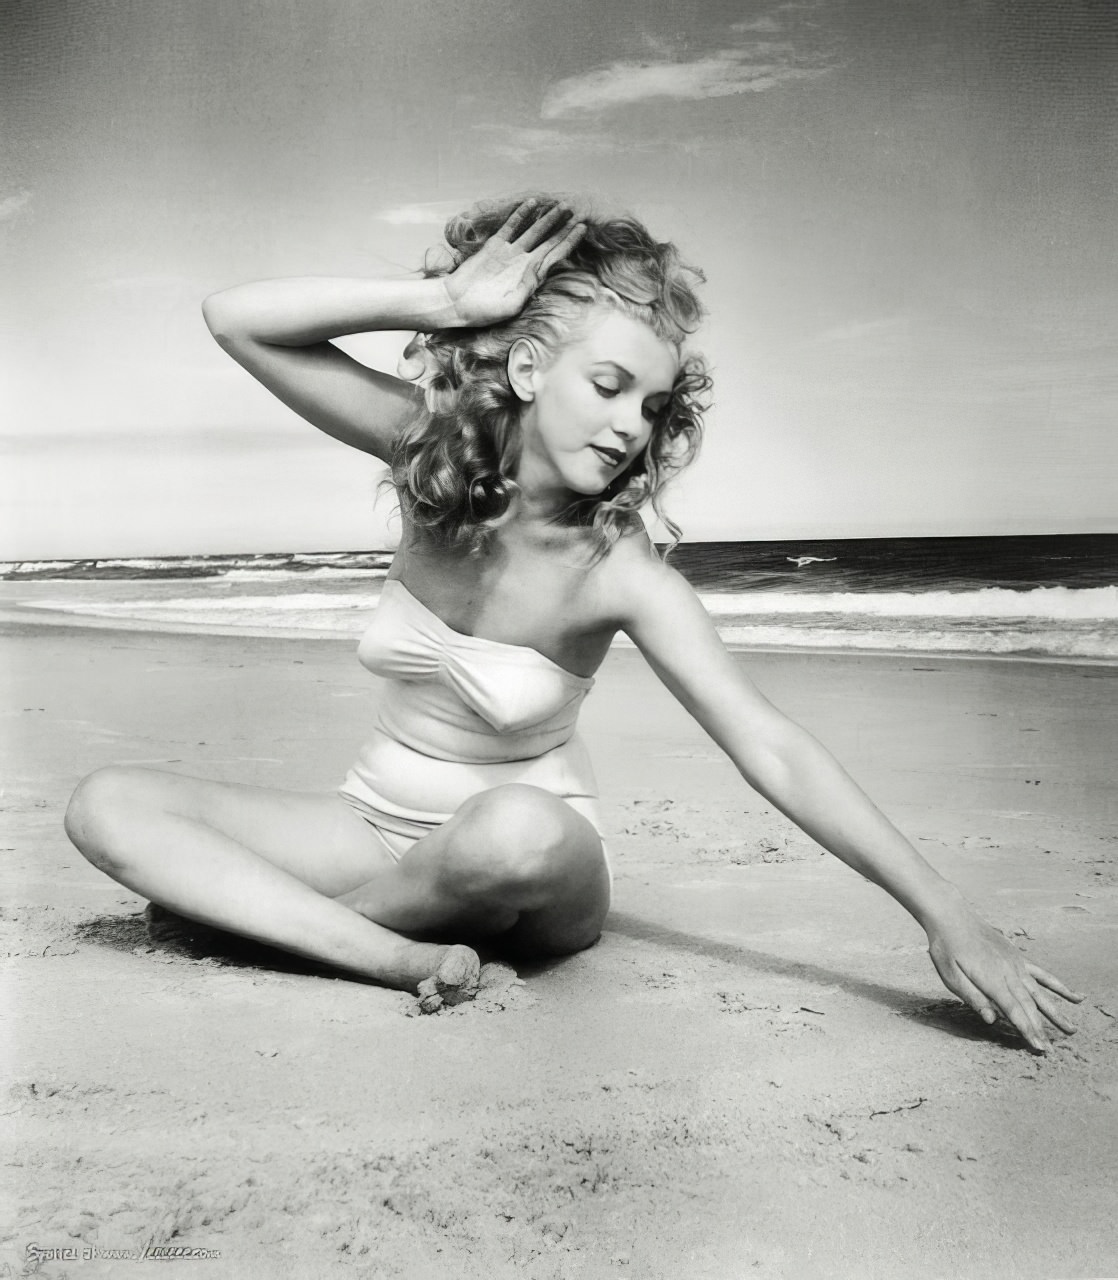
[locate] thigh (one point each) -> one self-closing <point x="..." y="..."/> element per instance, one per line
<point x="314" y="836"/>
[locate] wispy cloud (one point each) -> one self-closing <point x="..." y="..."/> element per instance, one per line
<point x="778" y="45"/>
<point x="522" y="144"/>
<point x="766" y="24"/>
<point x="879" y="330"/>
<point x="433" y="213"/>
<point x="12" y="205"/>
<point x="753" y="68"/>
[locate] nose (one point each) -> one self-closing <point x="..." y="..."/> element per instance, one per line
<point x="628" y="421"/>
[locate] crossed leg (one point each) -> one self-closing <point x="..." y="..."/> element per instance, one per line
<point x="305" y="873"/>
<point x="514" y="862"/>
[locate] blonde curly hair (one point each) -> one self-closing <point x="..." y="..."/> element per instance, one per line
<point x="454" y="466"/>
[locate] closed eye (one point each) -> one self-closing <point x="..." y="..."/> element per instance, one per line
<point x="649" y="411"/>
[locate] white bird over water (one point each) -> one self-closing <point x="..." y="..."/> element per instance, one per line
<point x="800" y="561"/>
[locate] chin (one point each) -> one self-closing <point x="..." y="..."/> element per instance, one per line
<point x="589" y="488"/>
<point x="594" y="485"/>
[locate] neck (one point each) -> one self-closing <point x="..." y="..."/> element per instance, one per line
<point x="542" y="497"/>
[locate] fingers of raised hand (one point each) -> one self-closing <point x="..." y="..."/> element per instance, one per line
<point x="546" y="231"/>
<point x="560" y="246"/>
<point x="521" y="217"/>
<point x="532" y="222"/>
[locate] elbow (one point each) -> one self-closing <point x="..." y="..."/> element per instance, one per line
<point x="768" y="772"/>
<point x="220" y="318"/>
<point x="213" y="313"/>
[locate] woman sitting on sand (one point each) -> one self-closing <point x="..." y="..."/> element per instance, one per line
<point x="546" y="403"/>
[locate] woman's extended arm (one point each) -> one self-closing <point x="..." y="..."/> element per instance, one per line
<point x="800" y="777"/>
<point x="280" y="330"/>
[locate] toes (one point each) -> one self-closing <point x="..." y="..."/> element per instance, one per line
<point x="459" y="976"/>
<point x="429" y="999"/>
<point x="496" y="976"/>
<point x="457" y="980"/>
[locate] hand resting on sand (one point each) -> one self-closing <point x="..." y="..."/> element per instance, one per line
<point x="981" y="967"/>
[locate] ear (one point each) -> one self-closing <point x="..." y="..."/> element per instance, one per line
<point x="524" y="365"/>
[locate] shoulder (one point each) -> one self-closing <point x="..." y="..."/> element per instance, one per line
<point x="636" y="587"/>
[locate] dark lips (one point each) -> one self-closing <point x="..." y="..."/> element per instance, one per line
<point x="614" y="456"/>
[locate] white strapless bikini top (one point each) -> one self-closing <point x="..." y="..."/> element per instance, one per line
<point x="464" y="697"/>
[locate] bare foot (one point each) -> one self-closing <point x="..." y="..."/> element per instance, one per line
<point x="455" y="982"/>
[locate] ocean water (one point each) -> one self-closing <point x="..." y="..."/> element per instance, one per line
<point x="1030" y="596"/>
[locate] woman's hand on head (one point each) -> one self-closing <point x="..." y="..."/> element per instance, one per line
<point x="496" y="282"/>
<point x="988" y="973"/>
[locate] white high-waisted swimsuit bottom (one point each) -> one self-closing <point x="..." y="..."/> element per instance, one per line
<point x="458" y="715"/>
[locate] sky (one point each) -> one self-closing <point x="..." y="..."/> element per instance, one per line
<point x="904" y="210"/>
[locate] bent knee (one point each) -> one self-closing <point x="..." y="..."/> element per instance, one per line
<point x="99" y="801"/>
<point x="522" y="816"/>
<point x="526" y="825"/>
<point x="520" y="838"/>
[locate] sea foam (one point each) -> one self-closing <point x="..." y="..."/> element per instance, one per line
<point x="987" y="602"/>
<point x="1055" y="622"/>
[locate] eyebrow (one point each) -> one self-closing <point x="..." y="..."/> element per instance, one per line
<point x="621" y="369"/>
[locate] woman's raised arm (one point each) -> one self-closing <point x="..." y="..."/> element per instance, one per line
<point x="668" y="623"/>
<point x="280" y="331"/>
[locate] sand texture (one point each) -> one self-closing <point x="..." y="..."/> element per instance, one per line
<point x="755" y="1073"/>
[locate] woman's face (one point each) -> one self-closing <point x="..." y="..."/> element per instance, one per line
<point x="594" y="405"/>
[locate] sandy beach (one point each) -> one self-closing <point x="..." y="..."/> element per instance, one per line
<point x="755" y="1073"/>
